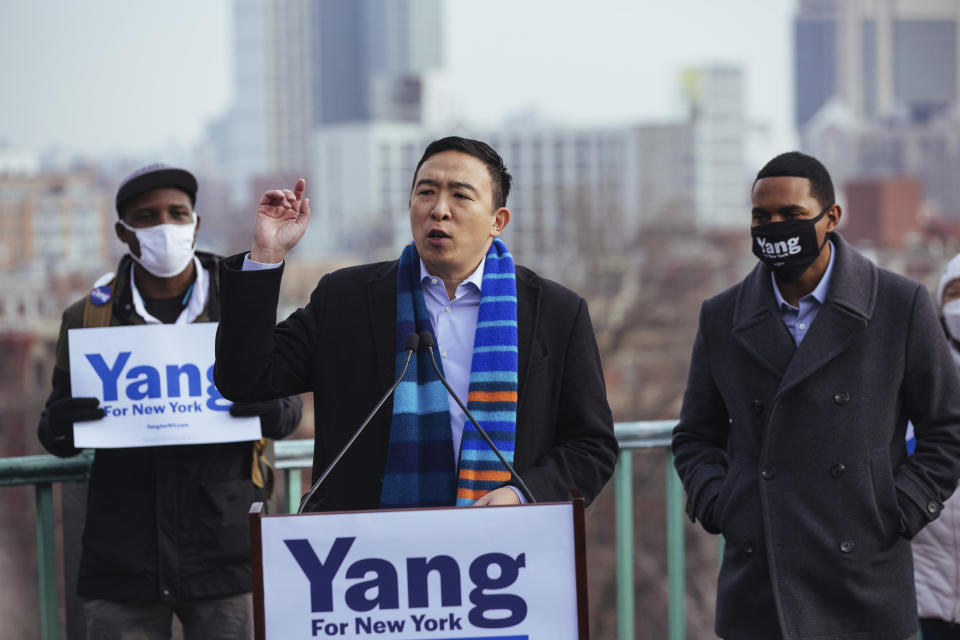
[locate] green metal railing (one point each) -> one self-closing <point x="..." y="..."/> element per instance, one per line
<point x="648" y="435"/>
<point x="293" y="455"/>
<point x="42" y="472"/>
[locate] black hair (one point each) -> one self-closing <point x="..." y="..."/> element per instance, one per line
<point x="499" y="176"/>
<point x="794" y="164"/>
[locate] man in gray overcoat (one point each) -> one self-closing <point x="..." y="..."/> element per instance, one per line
<point x="791" y="436"/>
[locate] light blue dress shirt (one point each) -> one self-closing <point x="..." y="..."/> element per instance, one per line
<point x="455" y="324"/>
<point x="798" y="319"/>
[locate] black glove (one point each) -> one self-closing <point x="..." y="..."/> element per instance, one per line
<point x="269" y="412"/>
<point x="62" y="413"/>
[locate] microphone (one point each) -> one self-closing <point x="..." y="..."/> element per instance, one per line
<point x="410" y="346"/>
<point x="426" y="340"/>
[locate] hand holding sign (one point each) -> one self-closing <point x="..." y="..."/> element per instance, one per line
<point x="62" y="413"/>
<point x="282" y="218"/>
<point x="269" y="412"/>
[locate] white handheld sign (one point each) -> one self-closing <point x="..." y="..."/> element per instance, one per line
<point x="155" y="383"/>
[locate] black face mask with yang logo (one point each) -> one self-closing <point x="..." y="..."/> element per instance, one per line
<point x="789" y="247"/>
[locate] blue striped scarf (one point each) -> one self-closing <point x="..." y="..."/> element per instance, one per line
<point x="420" y="469"/>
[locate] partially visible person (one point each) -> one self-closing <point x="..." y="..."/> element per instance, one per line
<point x="166" y="527"/>
<point x="936" y="549"/>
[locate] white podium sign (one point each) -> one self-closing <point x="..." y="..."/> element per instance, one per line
<point x="155" y="383"/>
<point x="505" y="573"/>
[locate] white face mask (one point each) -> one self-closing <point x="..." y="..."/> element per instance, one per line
<point x="165" y="249"/>
<point x="951" y="316"/>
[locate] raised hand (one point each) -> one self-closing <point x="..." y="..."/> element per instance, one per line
<point x="282" y="217"/>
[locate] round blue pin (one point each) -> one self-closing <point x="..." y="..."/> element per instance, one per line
<point x="101" y="295"/>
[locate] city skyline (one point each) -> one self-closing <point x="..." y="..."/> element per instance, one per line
<point x="611" y="63"/>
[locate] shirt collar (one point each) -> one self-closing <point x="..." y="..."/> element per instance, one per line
<point x="820" y="291"/>
<point x="475" y="278"/>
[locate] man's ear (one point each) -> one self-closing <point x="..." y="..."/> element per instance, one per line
<point x="196" y="229"/>
<point x="501" y="218"/>
<point x="834" y="214"/>
<point x="128" y="238"/>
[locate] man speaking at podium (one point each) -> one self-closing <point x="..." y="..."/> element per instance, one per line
<point x="517" y="348"/>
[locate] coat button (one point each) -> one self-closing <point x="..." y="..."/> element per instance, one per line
<point x="837" y="470"/>
<point x="846" y="546"/>
<point x="756" y="407"/>
<point x="841" y="397"/>
<point x="380" y="478"/>
<point x="748" y="547"/>
<point x="768" y="473"/>
<point x="931" y="507"/>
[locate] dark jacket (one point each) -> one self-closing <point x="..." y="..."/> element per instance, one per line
<point x="796" y="454"/>
<point x="170" y="522"/>
<point x="342" y="347"/>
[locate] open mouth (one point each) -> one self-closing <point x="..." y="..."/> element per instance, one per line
<point x="437" y="234"/>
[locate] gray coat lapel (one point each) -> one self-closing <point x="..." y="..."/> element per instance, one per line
<point x="843" y="317"/>
<point x="757" y="326"/>
<point x="382" y="296"/>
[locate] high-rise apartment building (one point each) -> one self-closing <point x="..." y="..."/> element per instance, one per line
<point x="55" y="223"/>
<point x="856" y="148"/>
<point x="370" y="59"/>
<point x="717" y="118"/>
<point x="584" y="189"/>
<point x="300" y="65"/>
<point x="572" y="188"/>
<point x="878" y="93"/>
<point x="269" y="128"/>
<point x="882" y="58"/>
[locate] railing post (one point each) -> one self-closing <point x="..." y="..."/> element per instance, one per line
<point x="624" y="520"/>
<point x="675" y="552"/>
<point x="293" y="488"/>
<point x="47" y="563"/>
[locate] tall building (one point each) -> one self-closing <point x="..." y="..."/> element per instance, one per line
<point x="269" y="128"/>
<point x="715" y="95"/>
<point x="574" y="190"/>
<point x="370" y="59"/>
<point x="580" y="190"/>
<point x="878" y="93"/>
<point x="856" y="148"/>
<point x="887" y="212"/>
<point x="55" y="223"/>
<point x="361" y="185"/>
<point x="882" y="58"/>
<point x="300" y="65"/>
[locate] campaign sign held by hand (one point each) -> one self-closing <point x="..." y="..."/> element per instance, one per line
<point x="155" y="383"/>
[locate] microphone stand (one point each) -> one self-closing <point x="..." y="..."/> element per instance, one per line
<point x="426" y="339"/>
<point x="413" y="341"/>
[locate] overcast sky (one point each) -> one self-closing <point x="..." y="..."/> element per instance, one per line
<point x="113" y="76"/>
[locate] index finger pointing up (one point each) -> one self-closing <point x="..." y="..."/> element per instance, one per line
<point x="299" y="187"/>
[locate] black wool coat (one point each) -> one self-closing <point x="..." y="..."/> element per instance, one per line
<point x="342" y="347"/>
<point x="796" y="454"/>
